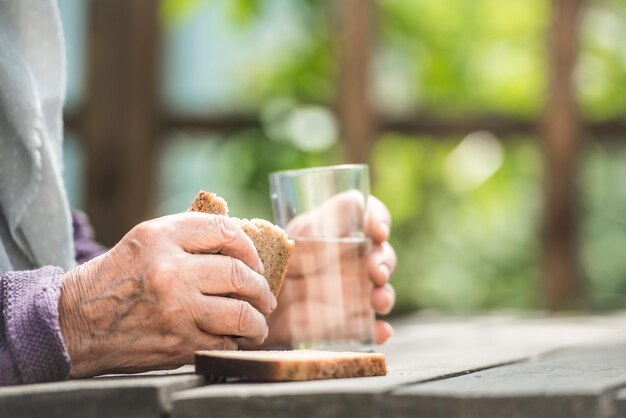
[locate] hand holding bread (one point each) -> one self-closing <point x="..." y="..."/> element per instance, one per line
<point x="171" y="286"/>
<point x="187" y="282"/>
<point x="271" y="242"/>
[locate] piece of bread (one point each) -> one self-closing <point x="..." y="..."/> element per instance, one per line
<point x="271" y="242"/>
<point x="274" y="249"/>
<point x="209" y="203"/>
<point x="296" y="365"/>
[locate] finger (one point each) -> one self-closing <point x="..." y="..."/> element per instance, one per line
<point x="171" y="352"/>
<point x="215" y="274"/>
<point x="377" y="220"/>
<point x="199" y="232"/>
<point x="382" y="263"/>
<point x="339" y="216"/>
<point x="203" y="341"/>
<point x="218" y="315"/>
<point x="383" y="299"/>
<point x="280" y="333"/>
<point x="382" y="332"/>
<point x="212" y="342"/>
<point x="312" y="257"/>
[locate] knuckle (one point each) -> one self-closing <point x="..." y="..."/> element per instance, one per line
<point x="126" y="253"/>
<point x="160" y="274"/>
<point x="146" y="231"/>
<point x="238" y="274"/>
<point x="245" y="316"/>
<point x="257" y="330"/>
<point x="391" y="253"/>
<point x="251" y="323"/>
<point x="265" y="332"/>
<point x="259" y="336"/>
<point x="225" y="227"/>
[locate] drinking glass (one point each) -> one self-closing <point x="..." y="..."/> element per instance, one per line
<point x="327" y="289"/>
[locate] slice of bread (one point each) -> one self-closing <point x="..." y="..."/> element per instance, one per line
<point x="271" y="242"/>
<point x="278" y="366"/>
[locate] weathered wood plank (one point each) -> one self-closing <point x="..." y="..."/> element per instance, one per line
<point x="432" y="347"/>
<point x="620" y="402"/>
<point x="423" y="349"/>
<point x="140" y="396"/>
<point x="419" y="352"/>
<point x="570" y="383"/>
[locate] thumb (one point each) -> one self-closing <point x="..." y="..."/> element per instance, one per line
<point x="204" y="233"/>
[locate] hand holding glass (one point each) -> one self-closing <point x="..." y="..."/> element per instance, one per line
<point x="327" y="287"/>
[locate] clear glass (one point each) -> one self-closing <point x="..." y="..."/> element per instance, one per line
<point x="337" y="195"/>
<point x="327" y="289"/>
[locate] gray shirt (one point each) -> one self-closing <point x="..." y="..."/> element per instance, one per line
<point x="35" y="224"/>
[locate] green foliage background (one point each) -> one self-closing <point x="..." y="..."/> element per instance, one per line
<point x="459" y="249"/>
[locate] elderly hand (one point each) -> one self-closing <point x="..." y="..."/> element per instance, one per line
<point x="381" y="264"/>
<point x="311" y="311"/>
<point x="171" y="286"/>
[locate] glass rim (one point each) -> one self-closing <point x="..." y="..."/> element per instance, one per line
<point x="312" y="170"/>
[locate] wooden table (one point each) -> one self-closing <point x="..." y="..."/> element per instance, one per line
<point x="489" y="366"/>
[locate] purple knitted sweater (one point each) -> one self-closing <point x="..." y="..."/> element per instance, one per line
<point x="31" y="344"/>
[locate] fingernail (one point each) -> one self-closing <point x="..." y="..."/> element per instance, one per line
<point x="385" y="228"/>
<point x="261" y="268"/>
<point x="274" y="303"/>
<point x="384" y="271"/>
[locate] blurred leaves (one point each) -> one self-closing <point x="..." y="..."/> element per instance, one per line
<point x="240" y="11"/>
<point x="308" y="74"/>
<point x="236" y="167"/>
<point x="474" y="249"/>
<point x="601" y="72"/>
<point x="174" y="11"/>
<point x="268" y="49"/>
<point x="459" y="247"/>
<point x="244" y="11"/>
<point x="469" y="57"/>
<point x="604" y="226"/>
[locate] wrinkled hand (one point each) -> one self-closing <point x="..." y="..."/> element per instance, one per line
<point x="305" y="309"/>
<point x="171" y="286"/>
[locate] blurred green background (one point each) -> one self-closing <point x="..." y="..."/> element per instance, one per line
<point x="466" y="208"/>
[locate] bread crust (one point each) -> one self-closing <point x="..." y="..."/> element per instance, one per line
<point x="209" y="203"/>
<point x="273" y="246"/>
<point x="281" y="366"/>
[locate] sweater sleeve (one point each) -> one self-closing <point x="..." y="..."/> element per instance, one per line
<point x="31" y="345"/>
<point x="85" y="246"/>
